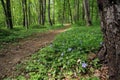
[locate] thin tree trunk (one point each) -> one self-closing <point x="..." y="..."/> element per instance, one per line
<point x="39" y="12"/>
<point x="83" y="12"/>
<point x="53" y="12"/>
<point x="29" y="12"/>
<point x="78" y="9"/>
<point x="63" y="14"/>
<point x="7" y="12"/>
<point x="92" y="11"/>
<point x="75" y="11"/>
<point x="49" y="17"/>
<point x="70" y="11"/>
<point x="25" y="13"/>
<point x="44" y="11"/>
<point x="87" y="12"/>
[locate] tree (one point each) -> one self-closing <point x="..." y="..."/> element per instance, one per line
<point x="87" y="12"/>
<point x="49" y="17"/>
<point x="40" y="17"/>
<point x="70" y="12"/>
<point x="53" y="14"/>
<point x="25" y="13"/>
<point x="7" y="11"/>
<point x="42" y="11"/>
<point x="76" y="10"/>
<point x="110" y="24"/>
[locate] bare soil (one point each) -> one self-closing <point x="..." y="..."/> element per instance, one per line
<point x="13" y="53"/>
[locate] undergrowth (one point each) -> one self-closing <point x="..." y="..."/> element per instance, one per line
<point x="66" y="58"/>
<point x="19" y="32"/>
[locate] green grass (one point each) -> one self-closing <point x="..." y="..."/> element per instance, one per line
<point x="19" y="32"/>
<point x="65" y="57"/>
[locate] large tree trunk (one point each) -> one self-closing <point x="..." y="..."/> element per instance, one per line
<point x="7" y="11"/>
<point x="110" y="24"/>
<point x="87" y="12"/>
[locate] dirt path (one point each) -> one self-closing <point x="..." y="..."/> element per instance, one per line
<point x="13" y="54"/>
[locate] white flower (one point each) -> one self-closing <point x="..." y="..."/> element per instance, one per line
<point x="62" y="54"/>
<point x="69" y="49"/>
<point x="50" y="45"/>
<point x="78" y="61"/>
<point x="101" y="43"/>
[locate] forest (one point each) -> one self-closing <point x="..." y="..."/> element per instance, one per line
<point x="60" y="40"/>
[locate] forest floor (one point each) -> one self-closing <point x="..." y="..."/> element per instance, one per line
<point x="14" y="53"/>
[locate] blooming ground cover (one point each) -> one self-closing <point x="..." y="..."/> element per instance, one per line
<point x="66" y="58"/>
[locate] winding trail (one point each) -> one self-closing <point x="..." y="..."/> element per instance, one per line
<point x="13" y="54"/>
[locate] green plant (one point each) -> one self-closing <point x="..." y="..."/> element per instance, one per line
<point x="66" y="56"/>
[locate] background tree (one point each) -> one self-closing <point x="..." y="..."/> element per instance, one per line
<point x="110" y="24"/>
<point x="25" y="13"/>
<point x="49" y="8"/>
<point x="87" y="12"/>
<point x="7" y="11"/>
<point x="30" y="12"/>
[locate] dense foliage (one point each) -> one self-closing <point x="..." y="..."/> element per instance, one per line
<point x="61" y="11"/>
<point x="66" y="57"/>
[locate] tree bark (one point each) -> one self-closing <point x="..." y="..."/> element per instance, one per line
<point x="49" y="17"/>
<point x="53" y="14"/>
<point x="87" y="12"/>
<point x="92" y="11"/>
<point x="44" y="11"/>
<point x="29" y="12"/>
<point x="39" y="12"/>
<point x="78" y="10"/>
<point x="70" y="11"/>
<point x="7" y="11"/>
<point x="110" y="24"/>
<point x="83" y="12"/>
<point x="25" y="13"/>
<point x="63" y="14"/>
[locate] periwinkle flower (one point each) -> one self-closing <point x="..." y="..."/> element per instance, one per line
<point x="84" y="65"/>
